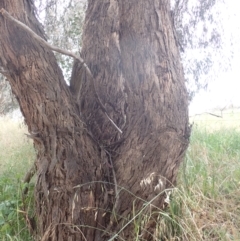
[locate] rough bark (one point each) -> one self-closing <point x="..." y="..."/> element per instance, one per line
<point x="91" y="178"/>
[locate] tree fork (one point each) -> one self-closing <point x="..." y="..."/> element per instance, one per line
<point x="53" y="120"/>
<point x="62" y="51"/>
<point x="130" y="48"/>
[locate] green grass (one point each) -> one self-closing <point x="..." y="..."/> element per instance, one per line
<point x="208" y="192"/>
<point x="209" y="184"/>
<point x="205" y="205"/>
<point x="17" y="155"/>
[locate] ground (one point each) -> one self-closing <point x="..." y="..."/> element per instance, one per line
<point x="205" y="205"/>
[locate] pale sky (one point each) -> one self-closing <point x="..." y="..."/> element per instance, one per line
<point x="224" y="87"/>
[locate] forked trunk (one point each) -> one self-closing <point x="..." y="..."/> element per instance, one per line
<point x="93" y="177"/>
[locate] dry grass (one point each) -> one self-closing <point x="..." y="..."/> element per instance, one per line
<point x="15" y="147"/>
<point x="218" y="120"/>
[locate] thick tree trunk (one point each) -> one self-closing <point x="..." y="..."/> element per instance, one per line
<point x="92" y="178"/>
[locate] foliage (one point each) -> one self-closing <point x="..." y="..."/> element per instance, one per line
<point x="204" y="40"/>
<point x="63" y="22"/>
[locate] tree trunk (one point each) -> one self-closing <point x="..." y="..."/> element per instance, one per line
<point x="93" y="178"/>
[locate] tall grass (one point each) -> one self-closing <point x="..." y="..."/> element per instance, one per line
<point x="205" y="205"/>
<point x="16" y="157"/>
<point x="208" y="185"/>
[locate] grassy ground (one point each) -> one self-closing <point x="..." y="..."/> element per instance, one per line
<point x="208" y="184"/>
<point x="16" y="157"/>
<point x="204" y="206"/>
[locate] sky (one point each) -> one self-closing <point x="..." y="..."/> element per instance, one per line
<point x="224" y="85"/>
<point x="222" y="92"/>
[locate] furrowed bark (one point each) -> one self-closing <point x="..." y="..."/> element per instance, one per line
<point x="132" y="53"/>
<point x="65" y="148"/>
<point x="92" y="178"/>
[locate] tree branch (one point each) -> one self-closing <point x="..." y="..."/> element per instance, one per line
<point x="38" y="38"/>
<point x="62" y="51"/>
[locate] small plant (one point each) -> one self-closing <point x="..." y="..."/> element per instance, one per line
<point x="13" y="210"/>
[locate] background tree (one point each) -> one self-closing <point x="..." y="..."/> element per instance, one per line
<point x="204" y="41"/>
<point x="7" y="100"/>
<point x="110" y="145"/>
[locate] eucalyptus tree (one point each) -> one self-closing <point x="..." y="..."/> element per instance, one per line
<point x="205" y="45"/>
<point x="110" y="144"/>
